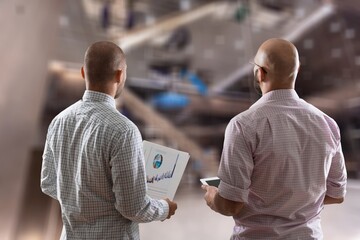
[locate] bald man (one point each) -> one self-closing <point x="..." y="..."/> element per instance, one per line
<point x="93" y="161"/>
<point x="282" y="158"/>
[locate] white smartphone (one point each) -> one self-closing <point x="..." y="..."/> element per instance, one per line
<point x="211" y="181"/>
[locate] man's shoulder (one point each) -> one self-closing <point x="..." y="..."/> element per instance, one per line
<point x="263" y="110"/>
<point x="246" y="119"/>
<point x="121" y="122"/>
<point x="250" y="115"/>
<point x="316" y="111"/>
<point x="112" y="119"/>
<point x="101" y="116"/>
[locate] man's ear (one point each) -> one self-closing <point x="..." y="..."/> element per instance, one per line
<point x="262" y="74"/>
<point x="118" y="75"/>
<point x="82" y="72"/>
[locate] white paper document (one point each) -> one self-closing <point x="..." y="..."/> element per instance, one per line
<point x="164" y="169"/>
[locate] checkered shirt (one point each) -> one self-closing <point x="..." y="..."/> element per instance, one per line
<point x="93" y="164"/>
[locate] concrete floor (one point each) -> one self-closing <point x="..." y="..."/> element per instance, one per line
<point x="194" y="220"/>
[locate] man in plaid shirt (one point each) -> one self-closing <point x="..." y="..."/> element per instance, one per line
<point x="93" y="162"/>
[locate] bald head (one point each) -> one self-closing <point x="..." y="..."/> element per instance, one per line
<point x="102" y="59"/>
<point x="279" y="58"/>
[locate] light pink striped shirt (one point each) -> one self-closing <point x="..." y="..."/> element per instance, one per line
<point x="281" y="157"/>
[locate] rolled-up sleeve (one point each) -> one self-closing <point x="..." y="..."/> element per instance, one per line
<point x="129" y="181"/>
<point x="337" y="178"/>
<point x="48" y="172"/>
<point x="236" y="164"/>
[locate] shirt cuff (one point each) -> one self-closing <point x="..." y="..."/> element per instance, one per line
<point x="336" y="191"/>
<point x="165" y="207"/>
<point x="232" y="193"/>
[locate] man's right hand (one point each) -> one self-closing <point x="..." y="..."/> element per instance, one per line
<point x="172" y="207"/>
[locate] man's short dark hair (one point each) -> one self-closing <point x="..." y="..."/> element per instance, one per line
<point x="101" y="61"/>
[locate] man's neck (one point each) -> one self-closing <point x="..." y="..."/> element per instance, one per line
<point x="102" y="89"/>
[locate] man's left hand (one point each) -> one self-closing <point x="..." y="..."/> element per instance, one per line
<point x="209" y="196"/>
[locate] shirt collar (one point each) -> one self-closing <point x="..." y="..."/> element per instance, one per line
<point x="280" y="94"/>
<point x="93" y="96"/>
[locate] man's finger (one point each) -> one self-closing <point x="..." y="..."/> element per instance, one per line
<point x="204" y="187"/>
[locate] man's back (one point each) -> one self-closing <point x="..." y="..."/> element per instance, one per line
<point x="100" y="182"/>
<point x="289" y="147"/>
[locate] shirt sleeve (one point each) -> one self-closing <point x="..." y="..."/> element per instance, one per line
<point x="48" y="172"/>
<point x="337" y="178"/>
<point x="129" y="181"/>
<point x="236" y="164"/>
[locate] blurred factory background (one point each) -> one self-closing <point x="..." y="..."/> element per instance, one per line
<point x="188" y="75"/>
